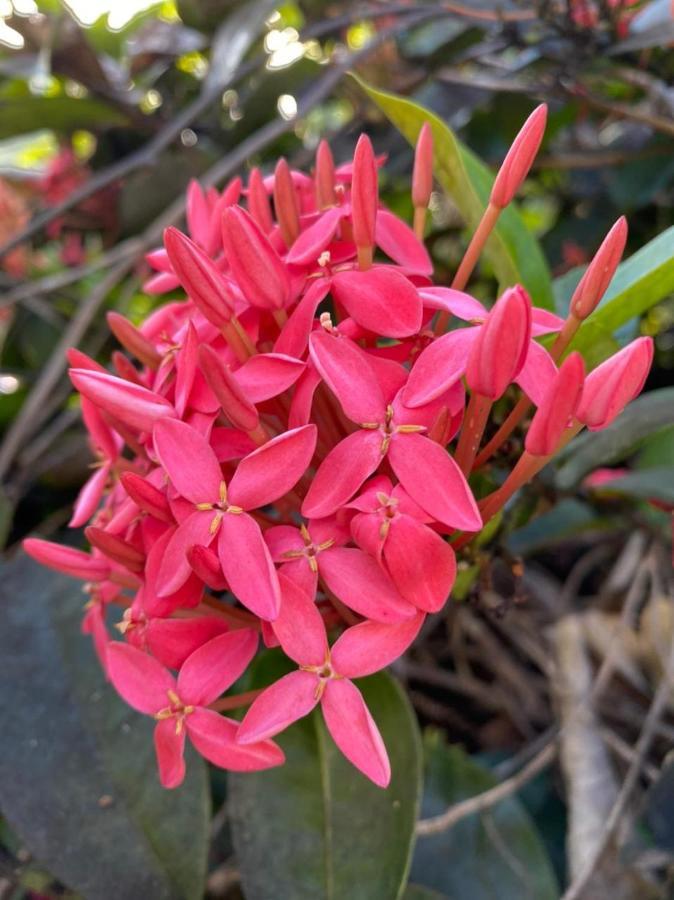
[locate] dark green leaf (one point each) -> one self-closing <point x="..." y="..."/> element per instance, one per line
<point x="513" y="251"/>
<point x="63" y="114"/>
<point x="567" y="518"/>
<point x="647" y="415"/>
<point x="498" y="854"/>
<point x="648" y="484"/>
<point x="316" y="828"/>
<point x="419" y="892"/>
<point x="78" y="777"/>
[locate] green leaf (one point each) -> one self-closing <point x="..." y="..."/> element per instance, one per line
<point x="419" y="892"/>
<point x="567" y="518"/>
<point x="512" y="250"/>
<point x="496" y="854"/>
<point x="647" y="415"/>
<point x="648" y="484"/>
<point x="63" y="114"/>
<point x="315" y="828"/>
<point x="638" y="284"/>
<point x="78" y="778"/>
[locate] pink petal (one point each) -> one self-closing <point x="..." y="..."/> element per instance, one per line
<point x="299" y="626"/>
<point x="354" y="731"/>
<point x="175" y="568"/>
<point x="461" y="305"/>
<point x="342" y="472"/>
<point x="171" y="641"/>
<point x="544" y="322"/>
<point x="93" y="623"/>
<point x="215" y="666"/>
<point x="380" y="299"/>
<point x="207" y="568"/>
<point x="282" y="539"/>
<point x="303" y="397"/>
<point x="311" y="243"/>
<point x="130" y="403"/>
<point x="422" y="565"/>
<point x="139" y="679"/>
<point x="214" y="736"/>
<point x="89" y="497"/>
<point x="400" y="243"/>
<point x="230" y="443"/>
<point x="188" y="460"/>
<point x="371" y="646"/>
<point x="187" y="596"/>
<point x="295" y="333"/>
<point x="366" y="529"/>
<point x="439" y="366"/>
<point x="186" y="367"/>
<point x="282" y="703"/>
<point x="247" y="565"/>
<point x="169" y="747"/>
<point x="67" y="559"/>
<point x="273" y="469"/>
<point x="267" y="375"/>
<point x="102" y="436"/>
<point x="357" y="580"/>
<point x="347" y="372"/>
<point x="432" y="478"/>
<point x="537" y="374"/>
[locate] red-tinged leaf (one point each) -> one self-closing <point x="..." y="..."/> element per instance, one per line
<point x="169" y="746"/>
<point x="381" y="300"/>
<point x="432" y="478"/>
<point x="314" y="239"/>
<point x="214" y="736"/>
<point x="215" y="666"/>
<point x="273" y="469"/>
<point x="439" y="366"/>
<point x="247" y="565"/>
<point x="140" y="680"/>
<point x="132" y="404"/>
<point x="371" y="646"/>
<point x="357" y="580"/>
<point x="421" y="565"/>
<point x="354" y="730"/>
<point x="349" y="375"/>
<point x="299" y="626"/>
<point x="401" y="244"/>
<point x="189" y="461"/>
<point x="267" y="375"/>
<point x="342" y="472"/>
<point x="282" y="703"/>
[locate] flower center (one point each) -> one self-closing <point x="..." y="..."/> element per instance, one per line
<point x="221" y="506"/>
<point x="176" y="709"/>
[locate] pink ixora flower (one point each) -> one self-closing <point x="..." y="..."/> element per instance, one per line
<point x="180" y="705"/>
<point x="324" y="676"/>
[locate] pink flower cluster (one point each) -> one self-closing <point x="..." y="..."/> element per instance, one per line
<point x="273" y="451"/>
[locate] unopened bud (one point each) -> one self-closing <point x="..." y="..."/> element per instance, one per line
<point x="133" y="339"/>
<point x="422" y="175"/>
<point x="615" y="383"/>
<point x="258" y="201"/>
<point x="286" y="204"/>
<point x="200" y="277"/>
<point x="148" y="497"/>
<point x="235" y="405"/>
<point x="325" y="176"/>
<point x="500" y="349"/>
<point x="364" y="193"/>
<point x="519" y="158"/>
<point x="557" y="408"/>
<point x="597" y="277"/>
<point x="115" y="548"/>
<point x="255" y="265"/>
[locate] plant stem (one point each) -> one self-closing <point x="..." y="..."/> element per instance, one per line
<point x="472" y="430"/>
<point x="235" y="701"/>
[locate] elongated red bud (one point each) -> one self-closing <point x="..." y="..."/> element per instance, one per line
<point x="325" y="176"/>
<point x="597" y="277"/>
<point x="130" y="403"/>
<point x="80" y="360"/>
<point x="258" y="201"/>
<point x="422" y="175"/>
<point x="115" y="548"/>
<point x="68" y="560"/>
<point x="364" y="193"/>
<point x="255" y="265"/>
<point x="235" y="405"/>
<point x="133" y="339"/>
<point x="145" y="495"/>
<point x="500" y="349"/>
<point x="519" y="158"/>
<point x="206" y="566"/>
<point x="125" y="368"/>
<point x="557" y="408"/>
<point x="200" y="277"/>
<point x="286" y="204"/>
<point x="615" y="383"/>
<point x="232" y="193"/>
<point x="197" y="213"/>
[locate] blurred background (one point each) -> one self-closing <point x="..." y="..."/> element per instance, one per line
<point x="109" y="107"/>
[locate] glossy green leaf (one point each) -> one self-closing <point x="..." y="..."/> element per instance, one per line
<point x="567" y="519"/>
<point x="512" y="250"/>
<point x="645" y="416"/>
<point x="78" y="778"/>
<point x="496" y="854"/>
<point x="639" y="283"/>
<point x="63" y="114"/>
<point x="419" y="892"/>
<point x="315" y="828"/>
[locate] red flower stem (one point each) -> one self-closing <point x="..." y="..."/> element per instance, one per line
<point x="470" y="258"/>
<point x="474" y="423"/>
<point x="236" y="616"/>
<point x="280" y="317"/>
<point x="565" y="336"/>
<point x="235" y="701"/>
<point x="364" y="258"/>
<point x="235" y="338"/>
<point x="419" y="221"/>
<point x="343" y="611"/>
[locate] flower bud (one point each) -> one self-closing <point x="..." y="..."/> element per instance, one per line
<point x="232" y="193"/>
<point x="200" y="277"/>
<point x="325" y="177"/>
<point x="197" y="213"/>
<point x="612" y="385"/>
<point x="285" y="203"/>
<point x="130" y="403"/>
<point x="68" y="560"/>
<point x="235" y="405"/>
<point x="557" y="407"/>
<point x="364" y="193"/>
<point x="125" y="368"/>
<point x="258" y="201"/>
<point x="500" y="349"/>
<point x="134" y="340"/>
<point x="115" y="548"/>
<point x="422" y="175"/>
<point x="255" y="265"/>
<point x="206" y="566"/>
<point x="519" y="158"/>
<point x="597" y="277"/>
<point x="148" y="497"/>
